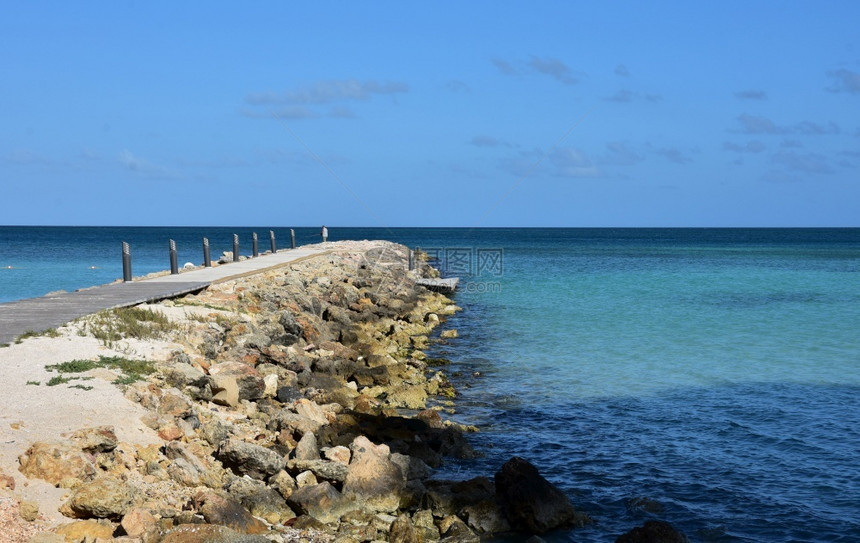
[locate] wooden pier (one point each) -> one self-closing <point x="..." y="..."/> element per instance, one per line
<point x="53" y="310"/>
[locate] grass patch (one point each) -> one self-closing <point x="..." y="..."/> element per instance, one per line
<point x="34" y="383"/>
<point x="129" y="322"/>
<point x="133" y="370"/>
<point x="59" y="380"/>
<point x="50" y="332"/>
<point x="82" y="387"/>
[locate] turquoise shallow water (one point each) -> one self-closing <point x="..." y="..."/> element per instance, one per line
<point x="714" y="371"/>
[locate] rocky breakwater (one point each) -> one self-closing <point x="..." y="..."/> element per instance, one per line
<point x="296" y="409"/>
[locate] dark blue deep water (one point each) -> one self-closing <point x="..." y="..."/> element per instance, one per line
<point x="715" y="372"/>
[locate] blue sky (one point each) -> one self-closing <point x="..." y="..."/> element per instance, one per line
<point x="430" y="114"/>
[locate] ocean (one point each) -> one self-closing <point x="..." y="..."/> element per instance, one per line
<point x="711" y="373"/>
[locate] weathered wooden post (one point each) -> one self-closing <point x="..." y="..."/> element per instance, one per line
<point x="174" y="265"/>
<point x="254" y="245"/>
<point x="292" y="239"/>
<point x="272" y="241"/>
<point x="207" y="259"/>
<point x="411" y="260"/>
<point x="126" y="262"/>
<point x="235" y="247"/>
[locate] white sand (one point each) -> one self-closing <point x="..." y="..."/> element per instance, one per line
<point x="30" y="412"/>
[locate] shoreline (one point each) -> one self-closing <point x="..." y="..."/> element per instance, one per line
<point x="296" y="402"/>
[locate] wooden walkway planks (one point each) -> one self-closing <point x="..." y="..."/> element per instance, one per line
<point x="51" y="311"/>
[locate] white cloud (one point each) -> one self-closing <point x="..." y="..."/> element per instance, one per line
<point x="844" y="81"/>
<point x="804" y="163"/>
<point x="143" y="167"/>
<point x="572" y="162"/>
<point x="620" y="154"/>
<point x="327" y="92"/>
<point x="552" y="67"/>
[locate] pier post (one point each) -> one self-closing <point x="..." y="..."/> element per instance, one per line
<point x="292" y="239"/>
<point x="235" y="247"/>
<point x="174" y="265"/>
<point x="207" y="259"/>
<point x="126" y="262"/>
<point x="254" y="245"/>
<point x="411" y="260"/>
<point x="272" y="241"/>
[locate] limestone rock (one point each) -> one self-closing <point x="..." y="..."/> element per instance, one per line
<point x="95" y="440"/>
<point x="28" y="510"/>
<point x="250" y="459"/>
<point x="284" y="483"/>
<point x="56" y="463"/>
<point x="225" y="511"/>
<point x="288" y="394"/>
<point x="139" y="522"/>
<point x="225" y="390"/>
<point x="407" y="396"/>
<point x="653" y="531"/>
<point x="454" y="530"/>
<point x="104" y="497"/>
<point x="402" y="531"/>
<point x="248" y="380"/>
<point x="85" y="530"/>
<point x="310" y="410"/>
<point x="373" y="478"/>
<point x="339" y="454"/>
<point x="262" y="501"/>
<point x="485" y="517"/>
<point x="307" y="448"/>
<point x="322" y="502"/>
<point x="531" y="503"/>
<point x="189" y="469"/>
<point x="333" y="472"/>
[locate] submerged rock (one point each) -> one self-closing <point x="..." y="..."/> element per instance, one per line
<point x="531" y="503"/>
<point x="653" y="531"/>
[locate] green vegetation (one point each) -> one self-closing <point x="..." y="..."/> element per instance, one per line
<point x="133" y="370"/>
<point x="50" y="332"/>
<point x="59" y="380"/>
<point x="82" y="387"/>
<point x="35" y="383"/>
<point x="128" y="322"/>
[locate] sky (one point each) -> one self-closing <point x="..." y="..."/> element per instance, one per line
<point x="390" y="114"/>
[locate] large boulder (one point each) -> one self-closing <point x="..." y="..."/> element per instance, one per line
<point x="373" y="478"/>
<point x="85" y="530"/>
<point x="58" y="463"/>
<point x="653" y="531"/>
<point x="249" y="381"/>
<point x="250" y="459"/>
<point x="104" y="497"/>
<point x="292" y="329"/>
<point x="189" y="469"/>
<point x="531" y="503"/>
<point x="262" y="501"/>
<point x="322" y="502"/>
<point x="226" y="511"/>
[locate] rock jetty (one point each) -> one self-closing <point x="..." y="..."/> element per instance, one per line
<point x="295" y="405"/>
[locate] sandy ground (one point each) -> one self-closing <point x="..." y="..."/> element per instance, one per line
<point x="31" y="412"/>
